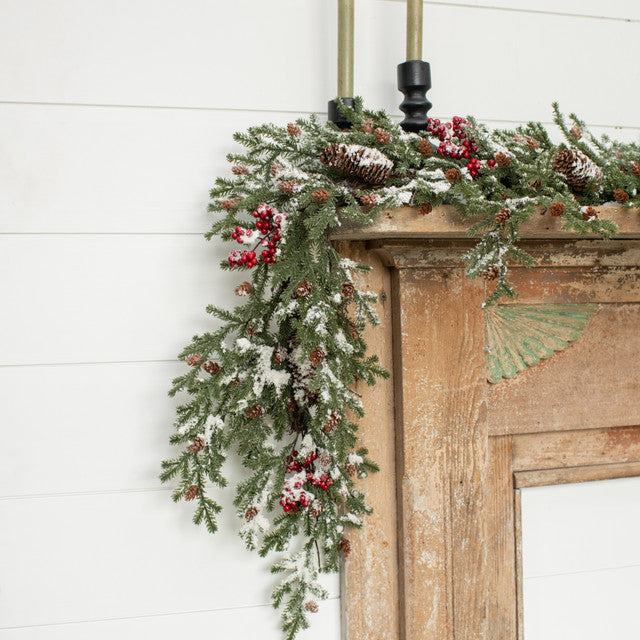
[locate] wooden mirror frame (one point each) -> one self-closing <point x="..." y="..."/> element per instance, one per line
<point x="440" y="557"/>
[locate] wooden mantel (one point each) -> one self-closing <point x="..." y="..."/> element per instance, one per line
<point x="439" y="559"/>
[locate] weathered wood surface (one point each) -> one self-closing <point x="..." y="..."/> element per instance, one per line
<point x="545" y="477"/>
<point x="445" y="222"/>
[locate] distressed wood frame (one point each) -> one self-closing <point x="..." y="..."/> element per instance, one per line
<point x="439" y="559"/>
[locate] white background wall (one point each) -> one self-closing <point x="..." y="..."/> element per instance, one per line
<point x="115" y="117"/>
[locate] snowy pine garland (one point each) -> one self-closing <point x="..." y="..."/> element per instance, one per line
<point x="274" y="382"/>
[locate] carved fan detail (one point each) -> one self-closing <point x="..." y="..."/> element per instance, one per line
<point x="519" y="336"/>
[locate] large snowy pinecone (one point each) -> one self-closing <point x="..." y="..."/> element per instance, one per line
<point x="370" y="165"/>
<point x="577" y="168"/>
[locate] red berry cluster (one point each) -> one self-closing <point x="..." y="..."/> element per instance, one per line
<point x="268" y="232"/>
<point x="294" y="495"/>
<point x="474" y="166"/>
<point x="454" y="141"/>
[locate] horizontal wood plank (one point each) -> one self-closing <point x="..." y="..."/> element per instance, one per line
<point x="121" y="555"/>
<point x="567" y="475"/>
<point x="239" y="624"/>
<point x="164" y="57"/>
<point x="105" y="298"/>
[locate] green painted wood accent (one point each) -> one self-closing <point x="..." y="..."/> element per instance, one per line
<point x="519" y="336"/>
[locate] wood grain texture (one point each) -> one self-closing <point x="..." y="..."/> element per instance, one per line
<point x="566" y="475"/>
<point x="370" y="574"/>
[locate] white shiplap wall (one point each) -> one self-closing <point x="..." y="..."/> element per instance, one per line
<point x="115" y="117"/>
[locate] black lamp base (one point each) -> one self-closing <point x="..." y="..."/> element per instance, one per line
<point x="414" y="80"/>
<point x="334" y="114"/>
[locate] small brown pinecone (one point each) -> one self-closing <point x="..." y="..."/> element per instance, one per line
<point x="532" y="143"/>
<point x="243" y="289"/>
<point x="367" y="126"/>
<point x="365" y="163"/>
<point x="280" y="355"/>
<point x="191" y="492"/>
<point x="347" y="289"/>
<point x="197" y="444"/>
<point x="453" y="175"/>
<point x="320" y="195"/>
<point x="288" y="186"/>
<point x="303" y="289"/>
<point x="316" y="508"/>
<point x="194" y="359"/>
<point x="503" y="160"/>
<point x="635" y="169"/>
<point x="292" y="405"/>
<point x="254" y="412"/>
<point x="312" y="606"/>
<point x="575" y="132"/>
<point x="503" y="215"/>
<point x="369" y="199"/>
<point x="275" y="167"/>
<point x="353" y="331"/>
<point x="251" y="513"/>
<point x="316" y="356"/>
<point x="589" y="214"/>
<point x="350" y="468"/>
<point x="536" y="184"/>
<point x="212" y="368"/>
<point x="491" y="272"/>
<point x="425" y="147"/>
<point x="620" y="196"/>
<point x="331" y="423"/>
<point x="251" y="331"/>
<point x="293" y="129"/>
<point x="236" y="383"/>
<point x="556" y="209"/>
<point x="229" y="203"/>
<point x="382" y="136"/>
<point x="345" y="546"/>
<point x="239" y="170"/>
<point x="425" y="208"/>
<point x="325" y="458"/>
<point x="577" y="168"/>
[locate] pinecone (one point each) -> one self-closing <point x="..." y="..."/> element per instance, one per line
<point x="280" y="355"/>
<point x="316" y="508"/>
<point x="331" y="423"/>
<point x="589" y="214"/>
<point x="620" y="196"/>
<point x="320" y="195"/>
<point x="243" y="289"/>
<point x="212" y="368"/>
<point x="239" y="170"/>
<point x="193" y="359"/>
<point x="575" y="132"/>
<point x="236" y="383"/>
<point x="345" y="546"/>
<point x="288" y="186"/>
<point x="350" y="468"/>
<point x="254" y="412"/>
<point x="292" y="405"/>
<point x="532" y="143"/>
<point x="370" y="165"/>
<point x="382" y="136"/>
<point x="635" y="169"/>
<point x="347" y="289"/>
<point x="453" y="175"/>
<point x="293" y="129"/>
<point x="191" y="492"/>
<point x="312" y="606"/>
<point x="369" y="199"/>
<point x="536" y="184"/>
<point x="503" y="215"/>
<point x="316" y="356"/>
<point x="197" y="444"/>
<point x="303" y="289"/>
<point x="324" y="458"/>
<point x="353" y="331"/>
<point x="229" y="203"/>
<point x="556" y="209"/>
<point x="275" y="167"/>
<point x="503" y="160"/>
<point x="577" y="168"/>
<point x="425" y="147"/>
<point x="367" y="126"/>
<point x="425" y="208"/>
<point x="251" y="513"/>
<point x="491" y="272"/>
